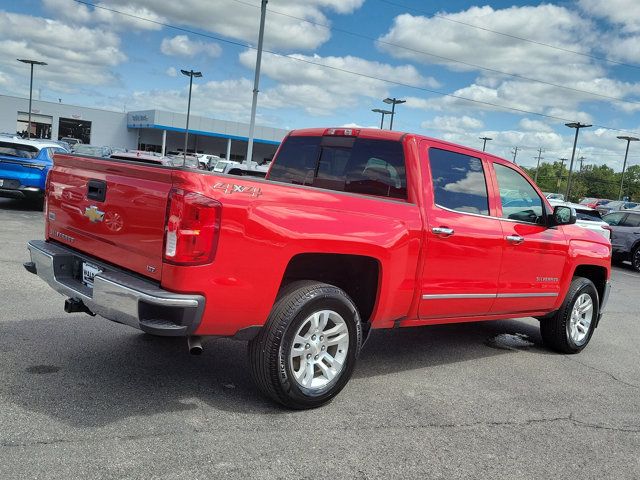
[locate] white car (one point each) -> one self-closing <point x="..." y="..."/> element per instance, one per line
<point x="587" y="217"/>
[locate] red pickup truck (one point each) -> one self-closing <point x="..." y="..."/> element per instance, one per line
<point x="353" y="229"/>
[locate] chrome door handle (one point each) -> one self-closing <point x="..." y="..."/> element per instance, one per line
<point x="442" y="231"/>
<point x="515" y="239"/>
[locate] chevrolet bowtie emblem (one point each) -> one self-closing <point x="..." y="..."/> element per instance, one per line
<point x="93" y="214"/>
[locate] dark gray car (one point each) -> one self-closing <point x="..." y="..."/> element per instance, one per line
<point x="625" y="236"/>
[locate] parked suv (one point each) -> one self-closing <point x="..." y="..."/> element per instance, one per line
<point x="625" y="237"/>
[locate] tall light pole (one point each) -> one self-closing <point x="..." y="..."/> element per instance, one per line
<point x="624" y="166"/>
<point x="32" y="63"/>
<point x="515" y="153"/>
<point x="190" y="74"/>
<point x="383" y="112"/>
<point x="484" y="142"/>
<point x="393" y="102"/>
<point x="577" y="126"/>
<point x="562" y="160"/>
<point x="256" y="83"/>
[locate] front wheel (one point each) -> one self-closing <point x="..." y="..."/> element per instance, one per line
<point x="635" y="259"/>
<point x="307" y="350"/>
<point x="571" y="327"/>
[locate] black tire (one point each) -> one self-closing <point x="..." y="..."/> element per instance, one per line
<point x="269" y="350"/>
<point x="555" y="330"/>
<point x="635" y="259"/>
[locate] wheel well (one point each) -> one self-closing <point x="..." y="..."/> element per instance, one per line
<point x="598" y="275"/>
<point x="355" y="274"/>
<point x="235" y="171"/>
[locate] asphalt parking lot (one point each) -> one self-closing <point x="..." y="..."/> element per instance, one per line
<point x="82" y="397"/>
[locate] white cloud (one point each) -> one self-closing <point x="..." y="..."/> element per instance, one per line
<point x="182" y="46"/>
<point x="132" y="16"/>
<point x="240" y="20"/>
<point x="534" y="125"/>
<point x="320" y="90"/>
<point x="75" y="55"/>
<point x="548" y="24"/>
<point x="453" y="124"/>
<point x="621" y="12"/>
<point x="171" y="71"/>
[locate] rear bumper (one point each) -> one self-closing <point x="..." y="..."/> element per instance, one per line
<point x="21" y="192"/>
<point x="116" y="295"/>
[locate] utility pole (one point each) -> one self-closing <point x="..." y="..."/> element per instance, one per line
<point x="256" y="83"/>
<point x="538" y="166"/>
<point x="515" y="154"/>
<point x="581" y="160"/>
<point x="484" y="142"/>
<point x="562" y="160"/>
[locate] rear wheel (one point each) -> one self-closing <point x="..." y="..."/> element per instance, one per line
<point x="306" y="352"/>
<point x="571" y="327"/>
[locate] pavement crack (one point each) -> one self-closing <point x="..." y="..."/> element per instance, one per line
<point x="609" y="374"/>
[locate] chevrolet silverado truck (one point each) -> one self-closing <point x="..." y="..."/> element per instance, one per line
<point x="352" y="230"/>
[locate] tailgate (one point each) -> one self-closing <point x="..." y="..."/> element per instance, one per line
<point x="113" y="210"/>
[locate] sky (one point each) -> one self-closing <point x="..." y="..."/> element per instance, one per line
<point x="512" y="71"/>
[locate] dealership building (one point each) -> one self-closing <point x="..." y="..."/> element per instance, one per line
<point x="154" y="130"/>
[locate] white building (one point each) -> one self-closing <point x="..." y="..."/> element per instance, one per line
<point x="155" y="130"/>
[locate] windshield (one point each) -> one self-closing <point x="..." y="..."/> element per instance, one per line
<point x="9" y="149"/>
<point x="88" y="150"/>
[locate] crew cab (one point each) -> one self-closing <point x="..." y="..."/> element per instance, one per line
<point x="352" y="230"/>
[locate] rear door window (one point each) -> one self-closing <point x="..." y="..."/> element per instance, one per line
<point x="632" y="220"/>
<point x="614" y="219"/>
<point x="459" y="182"/>
<point x="346" y="164"/>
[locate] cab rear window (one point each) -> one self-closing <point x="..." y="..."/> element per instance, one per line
<point x="345" y="164"/>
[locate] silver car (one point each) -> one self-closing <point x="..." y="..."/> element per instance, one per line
<point x="625" y="237"/>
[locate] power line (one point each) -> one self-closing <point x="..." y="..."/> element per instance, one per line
<point x="343" y="70"/>
<point x="509" y="35"/>
<point x="448" y="59"/>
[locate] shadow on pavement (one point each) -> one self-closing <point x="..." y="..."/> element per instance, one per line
<point x="20" y="205"/>
<point x="88" y="372"/>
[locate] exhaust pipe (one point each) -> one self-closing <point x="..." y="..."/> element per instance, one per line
<point x="194" y="343"/>
<point x="74" y="305"/>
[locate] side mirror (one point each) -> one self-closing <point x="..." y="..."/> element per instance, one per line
<point x="563" y="215"/>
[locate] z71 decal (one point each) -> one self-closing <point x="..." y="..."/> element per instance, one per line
<point x="231" y="188"/>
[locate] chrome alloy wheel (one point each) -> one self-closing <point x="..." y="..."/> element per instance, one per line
<point x="581" y="317"/>
<point x="319" y="349"/>
<point x="635" y="259"/>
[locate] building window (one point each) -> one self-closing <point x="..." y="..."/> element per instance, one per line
<point x="40" y="125"/>
<point x="70" y="128"/>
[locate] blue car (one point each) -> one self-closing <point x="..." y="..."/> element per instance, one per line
<point x="24" y="165"/>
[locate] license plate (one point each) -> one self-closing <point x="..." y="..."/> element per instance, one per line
<point x="88" y="274"/>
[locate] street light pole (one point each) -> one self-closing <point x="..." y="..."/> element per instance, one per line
<point x="484" y="143"/>
<point x="256" y="83"/>
<point x="562" y="160"/>
<point x="32" y="63"/>
<point x="190" y="74"/>
<point x="383" y="113"/>
<point x="624" y="166"/>
<point x="393" y="102"/>
<point x="577" y="126"/>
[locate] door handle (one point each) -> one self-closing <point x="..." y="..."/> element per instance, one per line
<point x="515" y="239"/>
<point x="442" y="231"/>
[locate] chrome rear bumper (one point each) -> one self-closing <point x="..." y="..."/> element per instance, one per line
<point x="116" y="294"/>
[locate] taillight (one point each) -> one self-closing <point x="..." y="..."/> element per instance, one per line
<point x="192" y="228"/>
<point x="342" y="132"/>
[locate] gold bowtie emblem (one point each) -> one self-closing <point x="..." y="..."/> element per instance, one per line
<point x="93" y="214"/>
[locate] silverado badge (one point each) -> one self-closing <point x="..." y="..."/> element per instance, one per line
<point x="93" y="214"/>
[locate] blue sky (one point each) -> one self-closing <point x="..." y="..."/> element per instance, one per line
<point x="529" y="66"/>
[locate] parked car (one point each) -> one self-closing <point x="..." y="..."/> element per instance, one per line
<point x="594" y="202"/>
<point x="625" y="237"/>
<point x="588" y="218"/>
<point x="144" y="157"/>
<point x="93" y="150"/>
<point x="554" y="196"/>
<point x="70" y="140"/>
<point x="233" y="167"/>
<point x="24" y="165"/>
<point x="615" y="206"/>
<point x="208" y="161"/>
<point x="353" y="230"/>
